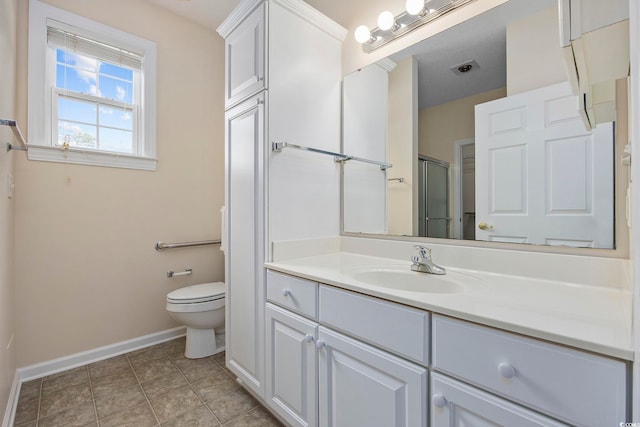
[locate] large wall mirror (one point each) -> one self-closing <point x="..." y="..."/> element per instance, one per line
<point x="501" y="128"/>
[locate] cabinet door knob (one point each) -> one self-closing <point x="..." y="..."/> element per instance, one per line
<point x="320" y="344"/>
<point x="506" y="370"/>
<point x="286" y="292"/>
<point x="308" y="338"/>
<point x="439" y="400"/>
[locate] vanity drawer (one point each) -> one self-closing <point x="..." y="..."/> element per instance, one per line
<point x="576" y="387"/>
<point x="293" y="293"/>
<point x="394" y="327"/>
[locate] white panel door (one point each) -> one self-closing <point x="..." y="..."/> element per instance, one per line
<point x="454" y="404"/>
<point x="291" y="367"/>
<point x="245" y="274"/>
<point x="541" y="177"/>
<point x="361" y="386"/>
<point x="245" y="58"/>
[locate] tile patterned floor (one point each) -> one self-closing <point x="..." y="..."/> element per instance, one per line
<point x="155" y="386"/>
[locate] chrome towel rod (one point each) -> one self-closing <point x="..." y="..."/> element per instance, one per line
<point x="16" y="132"/>
<point x="337" y="157"/>
<point x="161" y="246"/>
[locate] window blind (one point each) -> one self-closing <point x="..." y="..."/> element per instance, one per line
<point x="66" y="38"/>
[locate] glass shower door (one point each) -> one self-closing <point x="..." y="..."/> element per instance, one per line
<point x="434" y="198"/>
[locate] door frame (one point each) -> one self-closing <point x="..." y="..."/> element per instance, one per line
<point x="458" y="171"/>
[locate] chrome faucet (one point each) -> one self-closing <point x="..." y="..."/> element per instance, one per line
<point x="423" y="263"/>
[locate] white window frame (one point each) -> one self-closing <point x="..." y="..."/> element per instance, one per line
<point x="41" y="94"/>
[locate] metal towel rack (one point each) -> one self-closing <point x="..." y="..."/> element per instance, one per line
<point x="396" y="179"/>
<point x="277" y="147"/>
<point x="162" y="246"/>
<point x="16" y="132"/>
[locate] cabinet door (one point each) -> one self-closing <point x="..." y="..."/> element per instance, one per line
<point x="456" y="404"/>
<point x="291" y="366"/>
<point x="245" y="274"/>
<point x="360" y="385"/>
<point x="245" y="58"/>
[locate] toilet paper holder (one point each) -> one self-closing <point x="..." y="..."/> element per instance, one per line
<point x="172" y="273"/>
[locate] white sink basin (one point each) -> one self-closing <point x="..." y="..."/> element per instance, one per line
<point x="402" y="278"/>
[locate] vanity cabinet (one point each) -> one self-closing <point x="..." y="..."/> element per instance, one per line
<point x="292" y="366"/>
<point x="341" y="358"/>
<point x="319" y="376"/>
<point x="573" y="386"/>
<point x="362" y="386"/>
<point x="455" y="404"/>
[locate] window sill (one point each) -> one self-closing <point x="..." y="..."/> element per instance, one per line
<point x="90" y="158"/>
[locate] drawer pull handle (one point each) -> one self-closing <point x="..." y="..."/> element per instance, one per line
<point x="320" y="344"/>
<point x="308" y="338"/>
<point x="286" y="292"/>
<point x="439" y="400"/>
<point x="506" y="370"/>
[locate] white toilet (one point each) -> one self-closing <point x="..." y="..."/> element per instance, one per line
<point x="201" y="309"/>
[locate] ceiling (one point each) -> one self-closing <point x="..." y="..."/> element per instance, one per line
<point x="481" y="39"/>
<point x="208" y="13"/>
<point x="211" y="13"/>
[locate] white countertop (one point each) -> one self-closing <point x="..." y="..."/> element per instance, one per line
<point x="592" y="318"/>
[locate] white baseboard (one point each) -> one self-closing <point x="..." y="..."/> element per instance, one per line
<point x="65" y="363"/>
<point x="12" y="403"/>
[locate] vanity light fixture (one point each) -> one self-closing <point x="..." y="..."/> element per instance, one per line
<point x="414" y="7"/>
<point x="363" y="34"/>
<point x="417" y="14"/>
<point x="386" y="21"/>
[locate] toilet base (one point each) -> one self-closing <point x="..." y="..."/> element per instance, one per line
<point x="201" y="343"/>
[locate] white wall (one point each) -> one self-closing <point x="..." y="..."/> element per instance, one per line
<point x="534" y="56"/>
<point x="87" y="274"/>
<point x="7" y="111"/>
<point x="365" y="134"/>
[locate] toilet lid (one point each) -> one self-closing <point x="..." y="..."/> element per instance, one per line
<point x="197" y="293"/>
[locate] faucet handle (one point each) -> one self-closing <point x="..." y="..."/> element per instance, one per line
<point x="424" y="251"/>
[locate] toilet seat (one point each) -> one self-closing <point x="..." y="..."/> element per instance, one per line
<point x="195" y="294"/>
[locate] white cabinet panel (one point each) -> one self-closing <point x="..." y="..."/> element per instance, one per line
<point x="245" y="58"/>
<point x="291" y="366"/>
<point x="377" y="322"/>
<point x="571" y="385"/>
<point x="245" y="241"/>
<point x="362" y="386"/>
<point x="454" y="404"/>
<point x="293" y="293"/>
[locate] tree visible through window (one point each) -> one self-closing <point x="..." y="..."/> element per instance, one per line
<point x="95" y="103"/>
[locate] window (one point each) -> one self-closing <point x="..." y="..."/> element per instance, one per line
<point x="97" y="103"/>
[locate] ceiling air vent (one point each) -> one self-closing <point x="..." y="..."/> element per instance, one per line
<point x="465" y="67"/>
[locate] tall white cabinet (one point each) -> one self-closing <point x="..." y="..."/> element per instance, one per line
<point x="282" y="83"/>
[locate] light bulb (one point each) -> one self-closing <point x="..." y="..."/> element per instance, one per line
<point x="385" y="20"/>
<point x="362" y="34"/>
<point x="414" y="7"/>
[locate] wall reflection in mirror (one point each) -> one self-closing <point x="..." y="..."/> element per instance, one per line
<point x="506" y="127"/>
